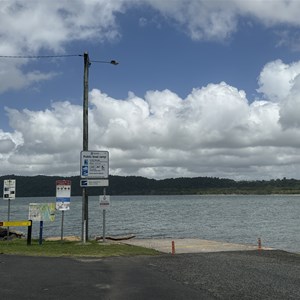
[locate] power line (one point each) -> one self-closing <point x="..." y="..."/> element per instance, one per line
<point x="113" y="62"/>
<point x="39" y="56"/>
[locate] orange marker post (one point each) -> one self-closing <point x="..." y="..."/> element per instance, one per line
<point x="173" y="247"/>
<point x="259" y="244"/>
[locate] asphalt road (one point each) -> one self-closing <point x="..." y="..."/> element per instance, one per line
<point x="223" y="275"/>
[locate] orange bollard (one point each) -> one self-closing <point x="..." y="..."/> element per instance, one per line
<point x="173" y="247"/>
<point x="259" y="244"/>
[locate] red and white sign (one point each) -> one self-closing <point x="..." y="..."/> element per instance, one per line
<point x="63" y="194"/>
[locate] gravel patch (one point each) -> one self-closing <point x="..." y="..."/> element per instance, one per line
<point x="236" y="275"/>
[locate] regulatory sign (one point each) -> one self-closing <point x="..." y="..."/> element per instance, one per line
<point x="9" y="189"/>
<point x="94" y="164"/>
<point x="15" y="223"/>
<point x="93" y="182"/>
<point x="104" y="201"/>
<point x="63" y="194"/>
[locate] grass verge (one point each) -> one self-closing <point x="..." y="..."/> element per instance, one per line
<point x="71" y="248"/>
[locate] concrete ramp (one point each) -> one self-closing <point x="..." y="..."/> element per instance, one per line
<point x="190" y="245"/>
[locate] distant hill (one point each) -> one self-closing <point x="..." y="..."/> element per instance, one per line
<point x="43" y="186"/>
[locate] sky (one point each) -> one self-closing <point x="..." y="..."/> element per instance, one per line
<point x="202" y="88"/>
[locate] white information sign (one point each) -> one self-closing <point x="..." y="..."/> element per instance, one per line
<point x="9" y="189"/>
<point x="93" y="182"/>
<point x="63" y="194"/>
<point x="94" y="164"/>
<point x="104" y="202"/>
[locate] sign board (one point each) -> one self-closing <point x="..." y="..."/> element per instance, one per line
<point x="94" y="164"/>
<point x="15" y="223"/>
<point x="41" y="212"/>
<point x="9" y="189"/>
<point x="104" y="202"/>
<point x="93" y="182"/>
<point x="63" y="194"/>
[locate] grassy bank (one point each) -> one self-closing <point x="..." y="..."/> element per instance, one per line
<point x="70" y="248"/>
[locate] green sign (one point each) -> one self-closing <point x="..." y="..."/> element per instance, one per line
<point x="42" y="212"/>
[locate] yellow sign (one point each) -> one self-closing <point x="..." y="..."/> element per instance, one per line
<point x="15" y="223"/>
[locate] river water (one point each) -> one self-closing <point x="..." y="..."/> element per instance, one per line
<point x="237" y="219"/>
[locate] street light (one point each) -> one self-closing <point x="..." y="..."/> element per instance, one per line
<point x="85" y="146"/>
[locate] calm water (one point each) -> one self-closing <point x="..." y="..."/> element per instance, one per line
<point x="238" y="219"/>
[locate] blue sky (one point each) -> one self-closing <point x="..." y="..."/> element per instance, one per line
<point x="203" y="88"/>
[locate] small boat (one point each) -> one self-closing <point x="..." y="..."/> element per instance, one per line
<point x="116" y="238"/>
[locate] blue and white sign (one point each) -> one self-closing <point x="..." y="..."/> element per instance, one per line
<point x="63" y="194"/>
<point x="93" y="182"/>
<point x="94" y="164"/>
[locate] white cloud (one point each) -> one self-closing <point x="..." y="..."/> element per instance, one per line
<point x="13" y="78"/>
<point x="280" y="82"/>
<point x="47" y="131"/>
<point x="277" y="79"/>
<point x="214" y="130"/>
<point x="28" y="27"/>
<point x="289" y="112"/>
<point x="143" y="22"/>
<point x="9" y="142"/>
<point x="35" y="25"/>
<point x="45" y="140"/>
<point x="25" y="29"/>
<point x="212" y="20"/>
<point x="271" y="12"/>
<point x="218" y="19"/>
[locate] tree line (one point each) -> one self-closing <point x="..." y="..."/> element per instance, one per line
<point x="45" y="186"/>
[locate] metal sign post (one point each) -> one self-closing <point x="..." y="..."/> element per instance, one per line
<point x="104" y="213"/>
<point x="9" y="193"/>
<point x="63" y="197"/>
<point x="62" y="225"/>
<point x="104" y="205"/>
<point x="8" y="211"/>
<point x="94" y="167"/>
